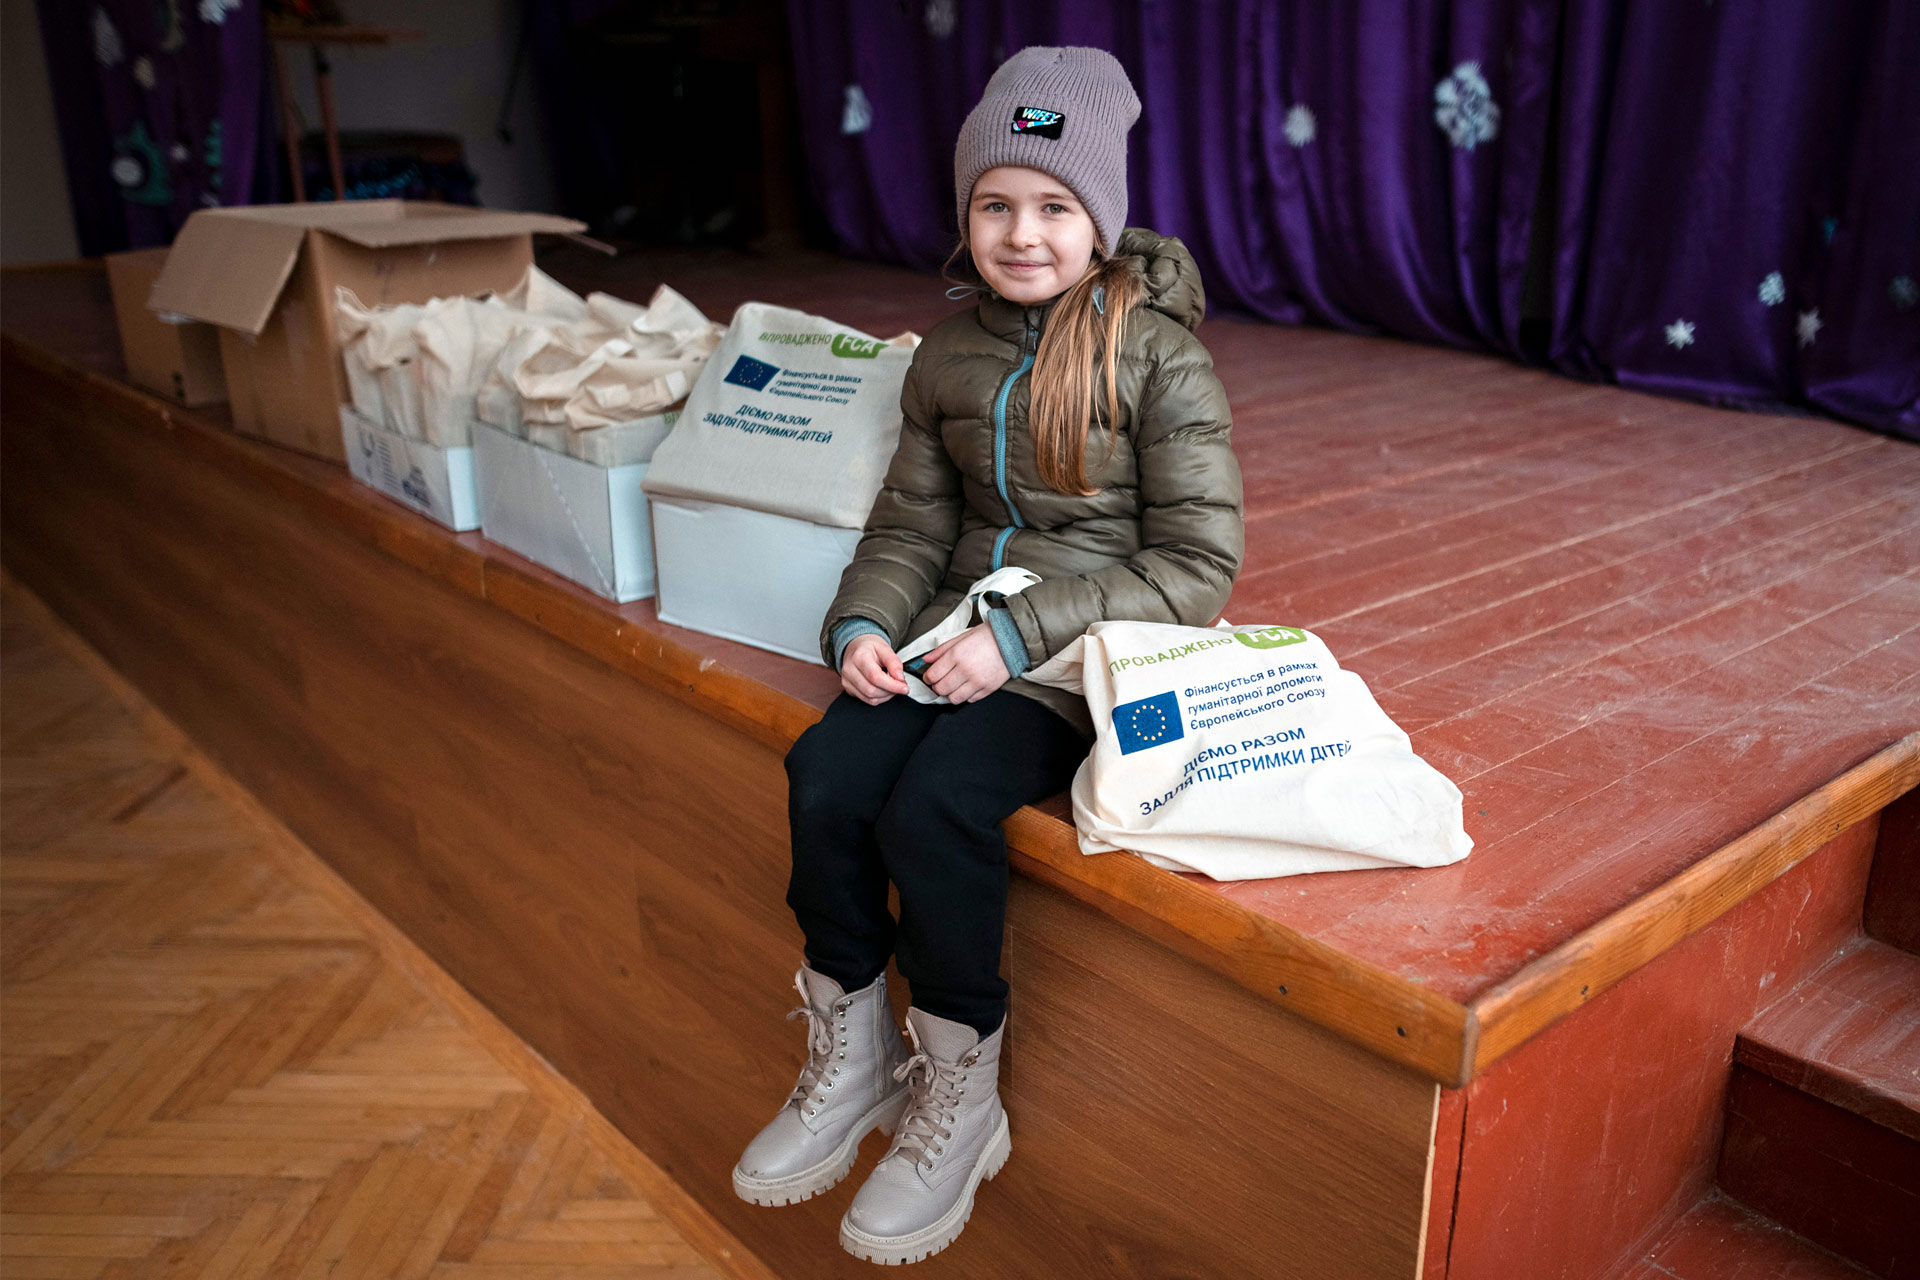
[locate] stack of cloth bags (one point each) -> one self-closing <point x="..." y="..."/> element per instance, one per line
<point x="594" y="377"/>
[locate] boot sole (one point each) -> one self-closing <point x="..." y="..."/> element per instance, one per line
<point x="895" y="1251"/>
<point x="808" y="1183"/>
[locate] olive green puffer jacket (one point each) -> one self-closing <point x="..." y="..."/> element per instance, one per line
<point x="1162" y="539"/>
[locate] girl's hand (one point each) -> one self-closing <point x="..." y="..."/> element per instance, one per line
<point x="870" y="670"/>
<point x="967" y="667"/>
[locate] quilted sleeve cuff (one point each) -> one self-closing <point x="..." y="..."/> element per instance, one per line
<point x="844" y="633"/>
<point x="1013" y="650"/>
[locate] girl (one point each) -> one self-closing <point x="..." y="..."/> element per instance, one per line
<point x="1070" y="424"/>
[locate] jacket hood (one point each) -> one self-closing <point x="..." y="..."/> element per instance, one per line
<point x="1172" y="280"/>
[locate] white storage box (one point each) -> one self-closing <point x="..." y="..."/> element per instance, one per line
<point x="582" y="521"/>
<point x="436" y="482"/>
<point x="751" y="576"/>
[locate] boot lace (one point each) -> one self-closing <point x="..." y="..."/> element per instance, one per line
<point x="810" y="1091"/>
<point x="934" y="1093"/>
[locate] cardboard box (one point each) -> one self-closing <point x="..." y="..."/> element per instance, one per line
<point x="584" y="522"/>
<point x="751" y="576"/>
<point x="436" y="482"/>
<point x="179" y="361"/>
<point x="266" y="274"/>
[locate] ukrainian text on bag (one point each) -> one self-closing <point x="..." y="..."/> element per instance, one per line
<point x="1246" y="752"/>
<point x="794" y="415"/>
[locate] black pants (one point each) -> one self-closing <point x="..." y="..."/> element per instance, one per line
<point x="915" y="794"/>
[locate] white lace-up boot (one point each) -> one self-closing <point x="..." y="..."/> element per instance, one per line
<point x="847" y="1089"/>
<point x="952" y="1138"/>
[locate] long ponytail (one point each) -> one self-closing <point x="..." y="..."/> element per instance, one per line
<point x="1083" y="334"/>
<point x="1084" y="331"/>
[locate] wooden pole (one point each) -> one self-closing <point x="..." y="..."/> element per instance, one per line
<point x="323" y="85"/>
<point x="289" y="124"/>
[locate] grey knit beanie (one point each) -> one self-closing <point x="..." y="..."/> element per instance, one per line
<point x="1065" y="112"/>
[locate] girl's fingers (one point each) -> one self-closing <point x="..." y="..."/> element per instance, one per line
<point x="856" y="682"/>
<point x="957" y="688"/>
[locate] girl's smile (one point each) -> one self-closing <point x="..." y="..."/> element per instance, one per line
<point x="1030" y="237"/>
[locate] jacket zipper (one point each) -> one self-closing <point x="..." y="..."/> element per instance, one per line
<point x="1000" y="449"/>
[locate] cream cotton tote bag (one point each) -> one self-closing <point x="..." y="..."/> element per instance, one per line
<point x="794" y="415"/>
<point x="1246" y="752"/>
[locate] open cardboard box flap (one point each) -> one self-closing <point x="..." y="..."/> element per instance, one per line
<point x="229" y="265"/>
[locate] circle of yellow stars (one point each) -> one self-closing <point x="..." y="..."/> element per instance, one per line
<point x="1160" y="730"/>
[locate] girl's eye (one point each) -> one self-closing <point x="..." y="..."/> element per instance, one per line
<point x="994" y="206"/>
<point x="1056" y="208"/>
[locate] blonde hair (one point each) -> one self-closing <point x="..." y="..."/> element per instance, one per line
<point x="1082" y="339"/>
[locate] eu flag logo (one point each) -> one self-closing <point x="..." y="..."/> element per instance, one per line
<point x="1147" y="723"/>
<point x="752" y="374"/>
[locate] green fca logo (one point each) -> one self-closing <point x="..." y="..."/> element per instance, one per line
<point x="845" y="344"/>
<point x="1270" y="637"/>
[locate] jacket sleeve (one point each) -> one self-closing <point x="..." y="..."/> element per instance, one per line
<point x="1192" y="533"/>
<point x="903" y="555"/>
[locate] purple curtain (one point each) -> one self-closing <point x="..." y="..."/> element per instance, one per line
<point x="163" y="109"/>
<point x="1371" y="165"/>
<point x="1534" y="177"/>
<point x="1738" y="203"/>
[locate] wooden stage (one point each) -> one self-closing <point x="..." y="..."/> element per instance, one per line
<point x="1671" y="655"/>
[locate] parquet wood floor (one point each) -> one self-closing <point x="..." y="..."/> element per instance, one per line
<point x="218" y="1062"/>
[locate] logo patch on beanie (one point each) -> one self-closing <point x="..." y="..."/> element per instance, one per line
<point x="1038" y="120"/>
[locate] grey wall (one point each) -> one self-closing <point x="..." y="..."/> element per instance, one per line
<point x="36" y="218"/>
<point x="450" y="82"/>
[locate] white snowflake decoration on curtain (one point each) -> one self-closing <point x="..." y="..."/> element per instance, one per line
<point x="143" y="72"/>
<point x="1301" y="126"/>
<point x="216" y="11"/>
<point x="1773" y="290"/>
<point x="857" y="115"/>
<point x="1807" y="326"/>
<point x="942" y="16"/>
<point x="1903" y="292"/>
<point x="1680" y="334"/>
<point x="1464" y="107"/>
<point x="107" y="49"/>
<point x="178" y="152"/>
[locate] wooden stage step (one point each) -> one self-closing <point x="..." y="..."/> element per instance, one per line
<point x="1823" y="1110"/>
<point x="1719" y="1239"/>
<point x="1848" y="1034"/>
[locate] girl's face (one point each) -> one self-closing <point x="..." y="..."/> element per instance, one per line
<point x="1029" y="236"/>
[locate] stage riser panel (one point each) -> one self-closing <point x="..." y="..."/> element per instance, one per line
<point x="605" y="865"/>
<point x="1608" y="1123"/>
<point x="1835" y="1177"/>
<point x="1892" y="912"/>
